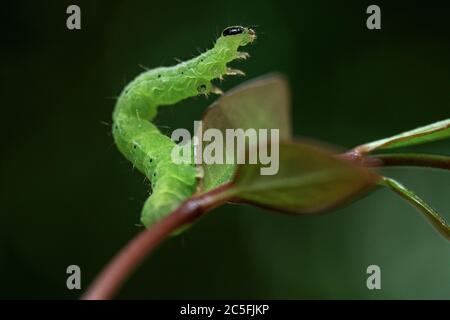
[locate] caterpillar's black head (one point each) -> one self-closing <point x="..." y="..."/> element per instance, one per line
<point x="231" y="31"/>
<point x="246" y="34"/>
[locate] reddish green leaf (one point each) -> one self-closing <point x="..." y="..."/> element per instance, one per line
<point x="309" y="180"/>
<point x="262" y="103"/>
<point x="436" y="131"/>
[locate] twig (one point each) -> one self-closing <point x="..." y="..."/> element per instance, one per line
<point x="127" y="260"/>
<point x="397" y="159"/>
<point x="413" y="159"/>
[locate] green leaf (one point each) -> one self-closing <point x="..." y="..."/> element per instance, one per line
<point x="262" y="103"/>
<point x="430" y="214"/>
<point x="309" y="180"/>
<point x="436" y="131"/>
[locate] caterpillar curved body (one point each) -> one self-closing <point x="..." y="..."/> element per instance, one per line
<point x="144" y="145"/>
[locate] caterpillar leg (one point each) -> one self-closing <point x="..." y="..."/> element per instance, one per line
<point x="216" y="90"/>
<point x="243" y="55"/>
<point x="235" y="72"/>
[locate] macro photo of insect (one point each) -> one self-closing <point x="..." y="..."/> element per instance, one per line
<point x="239" y="159"/>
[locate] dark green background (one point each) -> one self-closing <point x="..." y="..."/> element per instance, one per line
<point x="69" y="197"/>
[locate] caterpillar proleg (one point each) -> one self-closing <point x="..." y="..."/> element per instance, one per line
<point x="144" y="145"/>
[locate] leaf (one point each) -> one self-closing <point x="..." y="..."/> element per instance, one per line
<point x="262" y="103"/>
<point x="432" y="132"/>
<point x="430" y="214"/>
<point x="309" y="180"/>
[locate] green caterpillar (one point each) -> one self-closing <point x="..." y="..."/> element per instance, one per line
<point x="144" y="145"/>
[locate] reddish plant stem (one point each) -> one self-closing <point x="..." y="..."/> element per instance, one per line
<point x="412" y="159"/>
<point x="129" y="258"/>
<point x="397" y="159"/>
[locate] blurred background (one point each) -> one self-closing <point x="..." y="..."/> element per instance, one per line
<point x="69" y="197"/>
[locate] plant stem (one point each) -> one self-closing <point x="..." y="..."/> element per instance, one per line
<point x="430" y="214"/>
<point x="413" y="159"/>
<point x="398" y="159"/>
<point x="127" y="260"/>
